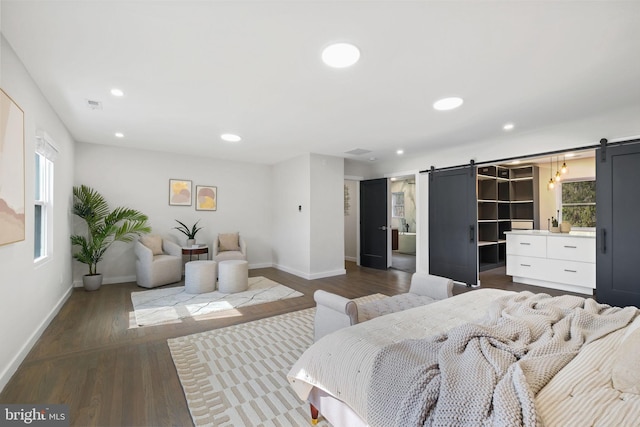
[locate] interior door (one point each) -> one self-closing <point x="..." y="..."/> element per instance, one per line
<point x="373" y="223"/>
<point x="452" y="224"/>
<point x="618" y="233"/>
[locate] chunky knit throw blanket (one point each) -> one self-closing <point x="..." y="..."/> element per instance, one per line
<point x="486" y="373"/>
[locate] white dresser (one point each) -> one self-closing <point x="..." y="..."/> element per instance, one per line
<point x="565" y="261"/>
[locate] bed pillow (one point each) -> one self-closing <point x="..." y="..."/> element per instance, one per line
<point x="152" y="242"/>
<point x="626" y="375"/>
<point x="229" y="242"/>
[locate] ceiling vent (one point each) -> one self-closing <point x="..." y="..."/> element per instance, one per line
<point x="94" y="105"/>
<point x="358" y="152"/>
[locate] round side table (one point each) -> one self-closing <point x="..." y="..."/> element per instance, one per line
<point x="191" y="251"/>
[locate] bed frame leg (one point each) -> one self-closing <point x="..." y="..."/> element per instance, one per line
<point x="314" y="414"/>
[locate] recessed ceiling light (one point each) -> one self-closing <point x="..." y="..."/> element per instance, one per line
<point x="229" y="137"/>
<point x="508" y="126"/>
<point x="445" y="104"/>
<point x="340" y="55"/>
<point x="399" y="152"/>
<point x="117" y="92"/>
<point x="119" y="135"/>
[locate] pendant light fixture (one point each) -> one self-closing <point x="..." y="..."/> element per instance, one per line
<point x="564" y="168"/>
<point x="558" y="177"/>
<point x="551" y="183"/>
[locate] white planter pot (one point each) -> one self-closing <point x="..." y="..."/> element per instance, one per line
<point x="92" y="282"/>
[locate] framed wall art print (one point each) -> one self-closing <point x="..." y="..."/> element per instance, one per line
<point x="179" y="192"/>
<point x="12" y="221"/>
<point x="206" y="198"/>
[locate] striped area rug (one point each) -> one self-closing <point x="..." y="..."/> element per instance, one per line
<point x="236" y="376"/>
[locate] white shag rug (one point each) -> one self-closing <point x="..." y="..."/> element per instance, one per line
<point x="171" y="304"/>
<point x="237" y="376"/>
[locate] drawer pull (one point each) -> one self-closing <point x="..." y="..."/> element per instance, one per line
<point x="525" y="243"/>
<point x="570" y="271"/>
<point x="525" y="265"/>
<point x="570" y="247"/>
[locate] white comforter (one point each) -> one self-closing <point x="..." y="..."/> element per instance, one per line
<point x="350" y="352"/>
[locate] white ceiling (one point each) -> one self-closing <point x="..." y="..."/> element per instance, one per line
<point x="192" y="70"/>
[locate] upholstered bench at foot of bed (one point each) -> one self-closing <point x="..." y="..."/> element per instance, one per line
<point x="334" y="312"/>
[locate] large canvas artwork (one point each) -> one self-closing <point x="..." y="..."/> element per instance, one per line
<point x="12" y="223"/>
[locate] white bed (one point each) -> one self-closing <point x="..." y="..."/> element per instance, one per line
<point x="335" y="373"/>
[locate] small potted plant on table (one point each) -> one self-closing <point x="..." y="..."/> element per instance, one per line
<point x="189" y="232"/>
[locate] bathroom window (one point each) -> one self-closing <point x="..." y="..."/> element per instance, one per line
<point x="397" y="204"/>
<point x="578" y="204"/>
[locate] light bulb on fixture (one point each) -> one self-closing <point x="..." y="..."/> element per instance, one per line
<point x="551" y="184"/>
<point x="564" y="166"/>
<point x="558" y="177"/>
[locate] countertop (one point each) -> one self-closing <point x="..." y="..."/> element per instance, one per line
<point x="583" y="234"/>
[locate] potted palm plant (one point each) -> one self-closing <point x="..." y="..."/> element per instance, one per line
<point x="104" y="227"/>
<point x="189" y="232"/>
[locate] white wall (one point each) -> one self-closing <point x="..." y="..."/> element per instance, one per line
<point x="30" y="295"/>
<point x="359" y="168"/>
<point x="139" y="179"/>
<point x="613" y="125"/>
<point x="292" y="215"/>
<point x="327" y="216"/>
<point x="308" y="216"/>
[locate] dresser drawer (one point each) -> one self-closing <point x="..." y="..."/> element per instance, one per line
<point x="526" y="245"/>
<point x="572" y="248"/>
<point x="572" y="273"/>
<point x="530" y="267"/>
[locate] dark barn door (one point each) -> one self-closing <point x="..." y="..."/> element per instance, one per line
<point x="452" y="224"/>
<point x="617" y="230"/>
<point x="373" y="223"/>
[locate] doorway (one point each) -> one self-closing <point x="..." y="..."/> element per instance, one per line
<point x="403" y="223"/>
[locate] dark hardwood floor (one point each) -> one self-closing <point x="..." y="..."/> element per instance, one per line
<point x="94" y="359"/>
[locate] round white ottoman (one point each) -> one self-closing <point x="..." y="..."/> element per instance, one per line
<point x="233" y="276"/>
<point x="199" y="277"/>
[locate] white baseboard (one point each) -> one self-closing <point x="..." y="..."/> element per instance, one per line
<point x="107" y="280"/>
<point x="351" y="258"/>
<point x="125" y="279"/>
<point x="324" y="274"/>
<point x="260" y="265"/>
<point x="310" y="276"/>
<point x="290" y="271"/>
<point x="8" y="372"/>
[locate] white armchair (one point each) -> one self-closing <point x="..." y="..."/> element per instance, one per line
<point x="159" y="261"/>
<point x="229" y="246"/>
<point x="335" y="312"/>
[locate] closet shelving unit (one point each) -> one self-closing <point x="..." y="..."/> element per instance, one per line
<point x="507" y="200"/>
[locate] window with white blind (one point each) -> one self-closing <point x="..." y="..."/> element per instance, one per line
<point x="43" y="205"/>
